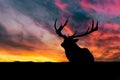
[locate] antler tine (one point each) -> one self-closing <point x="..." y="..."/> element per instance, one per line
<point x="62" y="26"/>
<point x="89" y="30"/>
<point x="58" y="31"/>
<point x="66" y="22"/>
<point x="55" y="25"/>
<point x="96" y="26"/>
<point x="92" y="24"/>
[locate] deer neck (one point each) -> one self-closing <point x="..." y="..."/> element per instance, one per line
<point x="72" y="47"/>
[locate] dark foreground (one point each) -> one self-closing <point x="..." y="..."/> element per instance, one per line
<point x="67" y="65"/>
<point x="64" y="63"/>
<point x="74" y="71"/>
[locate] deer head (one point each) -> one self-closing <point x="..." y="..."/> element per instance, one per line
<point x="71" y="40"/>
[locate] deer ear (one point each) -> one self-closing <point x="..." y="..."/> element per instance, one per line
<point x="76" y="40"/>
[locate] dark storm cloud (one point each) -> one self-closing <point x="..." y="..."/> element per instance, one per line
<point x="79" y="16"/>
<point x="42" y="11"/>
<point x="45" y="11"/>
<point x="3" y="32"/>
<point x="1" y="7"/>
<point x="77" y="12"/>
<point x="15" y="41"/>
<point x="11" y="44"/>
<point x="115" y="19"/>
<point x="37" y="12"/>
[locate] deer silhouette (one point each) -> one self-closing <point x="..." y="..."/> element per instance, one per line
<point x="72" y="51"/>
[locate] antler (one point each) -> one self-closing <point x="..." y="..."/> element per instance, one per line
<point x="88" y="30"/>
<point x="58" y="31"/>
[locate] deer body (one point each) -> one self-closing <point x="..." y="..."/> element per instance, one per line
<point x="76" y="54"/>
<point x="72" y="51"/>
<point x="81" y="55"/>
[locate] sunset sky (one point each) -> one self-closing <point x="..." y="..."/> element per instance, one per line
<point x="27" y="29"/>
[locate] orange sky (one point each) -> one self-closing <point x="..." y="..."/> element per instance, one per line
<point x="27" y="32"/>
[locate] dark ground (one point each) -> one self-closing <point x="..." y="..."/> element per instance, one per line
<point x="74" y="71"/>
